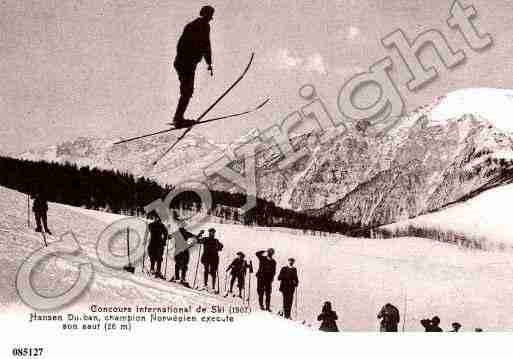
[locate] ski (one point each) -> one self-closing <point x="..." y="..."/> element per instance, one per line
<point x="188" y="129"/>
<point x="221" y="117"/>
<point x="204" y="113"/>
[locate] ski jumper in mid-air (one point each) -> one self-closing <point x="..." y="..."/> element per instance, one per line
<point x="193" y="46"/>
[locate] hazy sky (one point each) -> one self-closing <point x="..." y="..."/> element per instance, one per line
<point x="104" y="68"/>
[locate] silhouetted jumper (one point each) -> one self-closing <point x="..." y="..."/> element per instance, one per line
<point x="193" y="45"/>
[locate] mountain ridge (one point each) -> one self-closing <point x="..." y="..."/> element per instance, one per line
<point x="433" y="156"/>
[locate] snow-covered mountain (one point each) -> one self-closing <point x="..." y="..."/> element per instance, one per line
<point x="186" y="161"/>
<point x="435" y="155"/>
<point x="450" y="149"/>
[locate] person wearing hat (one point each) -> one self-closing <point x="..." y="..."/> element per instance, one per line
<point x="265" y="276"/>
<point x="193" y="46"/>
<point x="158" y="238"/>
<point x="210" y="258"/>
<point x="288" y="283"/>
<point x="183" y="241"/>
<point x="238" y="268"/>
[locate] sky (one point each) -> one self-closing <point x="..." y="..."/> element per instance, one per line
<point x="103" y="68"/>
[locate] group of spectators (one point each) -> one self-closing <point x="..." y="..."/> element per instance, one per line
<point x="389" y="320"/>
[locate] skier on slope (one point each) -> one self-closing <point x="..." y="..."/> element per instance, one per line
<point x="210" y="258"/>
<point x="328" y="318"/>
<point x="158" y="238"/>
<point x="288" y="283"/>
<point x="265" y="276"/>
<point x="182" y="255"/>
<point x="238" y="269"/>
<point x="193" y="45"/>
<point x="390" y="319"/>
<point x="40" y="208"/>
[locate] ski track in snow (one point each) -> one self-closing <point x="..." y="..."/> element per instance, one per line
<point x="358" y="275"/>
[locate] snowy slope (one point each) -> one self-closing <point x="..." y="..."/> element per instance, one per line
<point x="108" y="287"/>
<point x="496" y="105"/>
<point x="357" y="275"/>
<point x="486" y="217"/>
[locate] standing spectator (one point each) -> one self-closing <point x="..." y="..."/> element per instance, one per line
<point x="288" y="283"/>
<point x="265" y="276"/>
<point x="238" y="268"/>
<point x="158" y="239"/>
<point x="390" y="319"/>
<point x="328" y="319"/>
<point x="210" y="258"/>
<point x="182" y="246"/>
<point x="40" y="208"/>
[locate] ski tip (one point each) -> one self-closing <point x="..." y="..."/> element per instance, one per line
<point x="263" y="103"/>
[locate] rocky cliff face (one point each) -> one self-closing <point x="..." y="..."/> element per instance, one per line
<point x="440" y="153"/>
<point x="425" y="162"/>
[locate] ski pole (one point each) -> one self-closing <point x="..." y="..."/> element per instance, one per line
<point x="167" y="255"/>
<point x="44" y="238"/>
<point x="296" y="294"/>
<point x="197" y="266"/>
<point x="249" y="283"/>
<point x="128" y="245"/>
<point x="144" y="250"/>
<point x="217" y="275"/>
<point x="249" y="290"/>
<point x="405" y="308"/>
<point x="28" y="210"/>
<point x="129" y="267"/>
<point x="225" y="280"/>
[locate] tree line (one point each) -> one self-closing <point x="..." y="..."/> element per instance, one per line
<point x="123" y="193"/>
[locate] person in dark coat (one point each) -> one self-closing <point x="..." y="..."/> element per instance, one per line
<point x="210" y="258"/>
<point x="40" y="208"/>
<point x="288" y="283"/>
<point x="431" y="325"/>
<point x="455" y="327"/>
<point x="265" y="276"/>
<point x="390" y="319"/>
<point x="193" y="46"/>
<point x="182" y="255"/>
<point x="238" y="269"/>
<point x="328" y="318"/>
<point x="158" y="239"/>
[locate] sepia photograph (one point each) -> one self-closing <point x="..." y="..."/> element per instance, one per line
<point x="256" y="178"/>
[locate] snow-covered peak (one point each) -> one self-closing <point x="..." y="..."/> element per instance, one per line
<point x="495" y="105"/>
